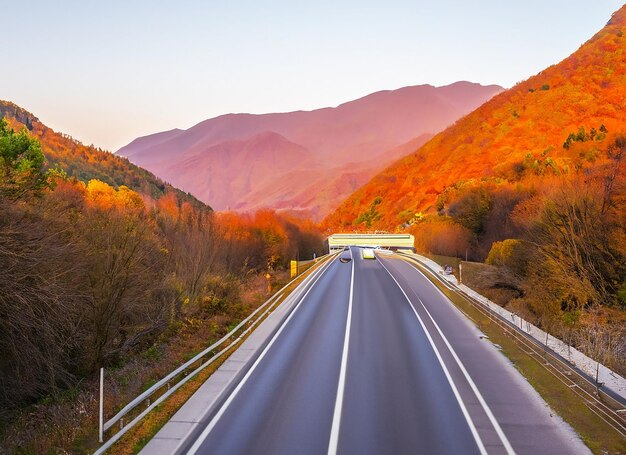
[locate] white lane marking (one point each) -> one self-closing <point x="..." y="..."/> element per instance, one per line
<point x="457" y="395"/>
<point x="205" y="433"/>
<point x="334" y="432"/>
<point x="483" y="403"/>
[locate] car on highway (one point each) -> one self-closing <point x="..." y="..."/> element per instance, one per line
<point x="368" y="253"/>
<point x="345" y="258"/>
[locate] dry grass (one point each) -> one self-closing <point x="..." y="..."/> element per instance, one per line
<point x="68" y="422"/>
<point x="594" y="432"/>
<point x="495" y="283"/>
<point x="139" y="436"/>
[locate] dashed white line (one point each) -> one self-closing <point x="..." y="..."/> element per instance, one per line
<point x="457" y="395"/>
<point x="483" y="403"/>
<point x="505" y="441"/>
<point x="334" y="432"/>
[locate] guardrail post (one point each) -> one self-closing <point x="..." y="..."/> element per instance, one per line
<point x="101" y="411"/>
<point x="122" y="423"/>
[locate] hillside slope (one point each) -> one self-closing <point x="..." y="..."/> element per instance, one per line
<point x="330" y="186"/>
<point x="95" y="276"/>
<point x="357" y="131"/>
<point x="518" y="135"/>
<point x="243" y="164"/>
<point x="88" y="162"/>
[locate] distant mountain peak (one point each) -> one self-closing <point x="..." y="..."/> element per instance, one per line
<point x="508" y="137"/>
<point x="261" y="160"/>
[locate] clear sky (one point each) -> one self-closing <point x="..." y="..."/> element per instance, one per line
<point x="109" y="71"/>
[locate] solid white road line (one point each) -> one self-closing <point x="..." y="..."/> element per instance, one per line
<point x="334" y="432"/>
<point x="483" y="403"/>
<point x="468" y="419"/>
<point x="205" y="433"/>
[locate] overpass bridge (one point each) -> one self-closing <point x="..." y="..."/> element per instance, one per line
<point x="337" y="242"/>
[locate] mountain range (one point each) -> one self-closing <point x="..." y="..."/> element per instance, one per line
<point x="304" y="162"/>
<point x="527" y="133"/>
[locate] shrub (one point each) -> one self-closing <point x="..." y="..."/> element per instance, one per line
<point x="442" y="237"/>
<point x="510" y="253"/>
<point x="471" y="209"/>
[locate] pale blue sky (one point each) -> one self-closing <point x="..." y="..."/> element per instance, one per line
<point x="107" y="72"/>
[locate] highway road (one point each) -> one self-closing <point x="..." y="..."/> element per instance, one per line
<point x="374" y="359"/>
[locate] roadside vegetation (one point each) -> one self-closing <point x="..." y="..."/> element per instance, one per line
<point x="533" y="183"/>
<point x="140" y="435"/>
<point x="95" y="275"/>
<point x="543" y="373"/>
<point x="554" y="252"/>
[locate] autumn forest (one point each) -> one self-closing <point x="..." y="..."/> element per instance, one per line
<point x="95" y="274"/>
<point x="533" y="182"/>
<point x="103" y="263"/>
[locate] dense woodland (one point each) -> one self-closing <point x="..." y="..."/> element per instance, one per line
<point x="99" y="258"/>
<point x="91" y="274"/>
<point x="533" y="181"/>
<point x="562" y="240"/>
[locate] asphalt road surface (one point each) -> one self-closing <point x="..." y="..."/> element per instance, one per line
<point x="375" y="360"/>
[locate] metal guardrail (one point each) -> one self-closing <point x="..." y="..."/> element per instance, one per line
<point x="145" y="396"/>
<point x="117" y="436"/>
<point x="597" y="401"/>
